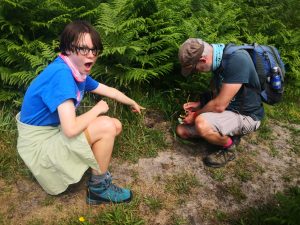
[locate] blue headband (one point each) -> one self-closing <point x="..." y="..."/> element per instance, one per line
<point x="217" y="57"/>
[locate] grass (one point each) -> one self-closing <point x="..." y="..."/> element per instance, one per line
<point x="274" y="151"/>
<point x="220" y="216"/>
<point x="295" y="133"/>
<point x="136" y="141"/>
<point x="36" y="222"/>
<point x="10" y="163"/>
<point x="139" y="141"/>
<point x="155" y="204"/>
<point x="142" y="141"/>
<point x="244" y="175"/>
<point x="7" y="119"/>
<point x="283" y="209"/>
<point x="3" y="220"/>
<point x="244" y="169"/>
<point x="49" y="200"/>
<point x="182" y="184"/>
<point x="109" y="214"/>
<point x="217" y="174"/>
<point x="177" y="220"/>
<point x="119" y="215"/>
<point x="286" y="111"/>
<point x="265" y="131"/>
<point x="236" y="191"/>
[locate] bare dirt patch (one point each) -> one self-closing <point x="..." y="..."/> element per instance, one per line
<point x="262" y="168"/>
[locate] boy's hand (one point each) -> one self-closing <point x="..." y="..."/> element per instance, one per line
<point x="190" y="118"/>
<point x="191" y="106"/>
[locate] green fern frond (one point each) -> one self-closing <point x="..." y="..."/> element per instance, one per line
<point x="20" y="79"/>
<point x="14" y="4"/>
<point x="37" y="53"/>
<point x="57" y="5"/>
<point x="65" y="18"/>
<point x="143" y="75"/>
<point x="88" y="13"/>
<point x="10" y="27"/>
<point x="138" y="74"/>
<point x="8" y="96"/>
<point x="6" y="57"/>
<point x="33" y="59"/>
<point x="47" y="50"/>
<point x="5" y="73"/>
<point x="137" y="41"/>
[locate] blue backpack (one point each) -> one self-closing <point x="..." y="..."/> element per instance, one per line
<point x="269" y="67"/>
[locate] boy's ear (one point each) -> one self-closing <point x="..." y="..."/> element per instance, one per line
<point x="203" y="59"/>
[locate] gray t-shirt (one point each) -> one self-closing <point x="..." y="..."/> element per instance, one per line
<point x="239" y="69"/>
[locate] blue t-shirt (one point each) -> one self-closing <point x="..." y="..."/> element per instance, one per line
<point x="48" y="90"/>
<point x="240" y="69"/>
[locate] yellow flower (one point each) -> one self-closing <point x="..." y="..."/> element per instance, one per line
<point x="81" y="219"/>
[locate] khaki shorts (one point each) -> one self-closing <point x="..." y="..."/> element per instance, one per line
<point x="231" y="123"/>
<point x="227" y="123"/>
<point x="55" y="160"/>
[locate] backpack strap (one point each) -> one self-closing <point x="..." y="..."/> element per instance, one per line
<point x="278" y="61"/>
<point x="258" y="64"/>
<point x="231" y="48"/>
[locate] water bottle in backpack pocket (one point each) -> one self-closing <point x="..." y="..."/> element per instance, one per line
<point x="275" y="78"/>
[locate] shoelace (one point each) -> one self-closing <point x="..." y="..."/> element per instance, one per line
<point x="222" y="152"/>
<point x="110" y="185"/>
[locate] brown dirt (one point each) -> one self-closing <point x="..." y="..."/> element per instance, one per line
<point x="261" y="169"/>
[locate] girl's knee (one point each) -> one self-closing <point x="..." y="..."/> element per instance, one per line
<point x="118" y="125"/>
<point x="106" y="125"/>
<point x="103" y="128"/>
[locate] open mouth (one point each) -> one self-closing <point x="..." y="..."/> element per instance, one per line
<point x="88" y="65"/>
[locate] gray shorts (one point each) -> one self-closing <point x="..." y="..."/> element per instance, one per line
<point x="231" y="123"/>
<point x="227" y="123"/>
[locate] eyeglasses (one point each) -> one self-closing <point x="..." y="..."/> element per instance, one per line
<point x="85" y="50"/>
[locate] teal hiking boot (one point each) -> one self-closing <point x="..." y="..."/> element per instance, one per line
<point x="107" y="192"/>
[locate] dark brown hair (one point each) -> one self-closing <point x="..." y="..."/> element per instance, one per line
<point x="74" y="31"/>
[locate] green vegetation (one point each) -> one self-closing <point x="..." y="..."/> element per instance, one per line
<point x="36" y="222"/>
<point x="217" y="174"/>
<point x="154" y="203"/>
<point x="177" y="220"/>
<point x="119" y="215"/>
<point x="242" y="171"/>
<point x="182" y="184"/>
<point x="265" y="132"/>
<point x="284" y="210"/>
<point x="141" y="140"/>
<point x="112" y="215"/>
<point x="141" y="40"/>
<point x="235" y="191"/>
<point x="294" y="140"/>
